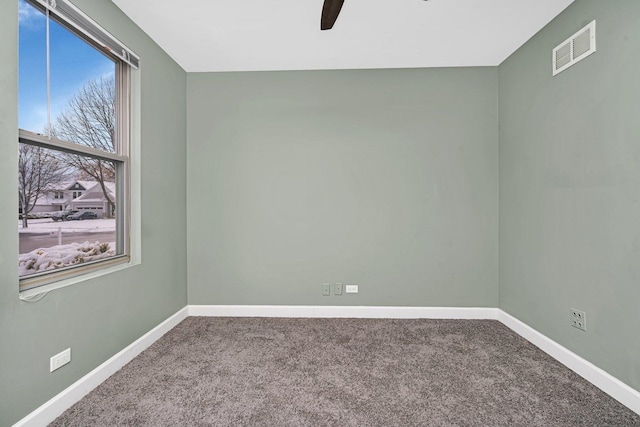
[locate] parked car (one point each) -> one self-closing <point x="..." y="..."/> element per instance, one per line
<point x="29" y="216"/>
<point x="62" y="215"/>
<point x="79" y="216"/>
<point x="58" y="216"/>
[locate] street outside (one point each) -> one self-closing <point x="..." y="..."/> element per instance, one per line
<point x="43" y="233"/>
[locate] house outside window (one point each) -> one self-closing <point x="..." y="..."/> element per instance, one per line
<point x="80" y="75"/>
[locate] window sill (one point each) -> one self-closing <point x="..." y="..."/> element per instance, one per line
<point x="35" y="294"/>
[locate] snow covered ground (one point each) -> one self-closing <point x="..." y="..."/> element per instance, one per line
<point x="63" y="256"/>
<point x="47" y="225"/>
<point x="57" y="256"/>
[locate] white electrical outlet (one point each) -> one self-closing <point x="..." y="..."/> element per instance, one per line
<point x="60" y="360"/>
<point x="351" y="289"/>
<point x="579" y="319"/>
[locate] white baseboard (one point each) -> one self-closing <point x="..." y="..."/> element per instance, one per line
<point x="615" y="388"/>
<point x="65" y="399"/>
<point x="361" y="312"/>
<point x="53" y="408"/>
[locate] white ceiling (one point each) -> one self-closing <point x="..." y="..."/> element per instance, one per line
<point x="244" y="35"/>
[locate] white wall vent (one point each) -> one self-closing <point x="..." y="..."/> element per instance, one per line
<point x="575" y="48"/>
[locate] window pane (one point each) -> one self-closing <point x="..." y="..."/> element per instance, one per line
<point x="83" y="91"/>
<point x="65" y="232"/>
<point x="32" y="89"/>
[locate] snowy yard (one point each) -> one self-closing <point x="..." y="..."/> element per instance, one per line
<point x="82" y="241"/>
<point x="47" y="225"/>
<point x="46" y="259"/>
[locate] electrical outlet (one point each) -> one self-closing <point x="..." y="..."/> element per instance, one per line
<point x="59" y="360"/>
<point x="351" y="289"/>
<point x="326" y="289"/>
<point x="579" y="319"/>
<point x="337" y="290"/>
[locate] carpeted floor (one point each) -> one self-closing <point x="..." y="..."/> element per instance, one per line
<point x="344" y="372"/>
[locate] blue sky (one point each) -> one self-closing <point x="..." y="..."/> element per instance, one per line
<point x="73" y="63"/>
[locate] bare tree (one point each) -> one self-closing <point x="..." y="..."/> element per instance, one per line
<point x="90" y="119"/>
<point x="38" y="170"/>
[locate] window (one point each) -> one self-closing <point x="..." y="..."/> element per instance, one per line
<point x="74" y="95"/>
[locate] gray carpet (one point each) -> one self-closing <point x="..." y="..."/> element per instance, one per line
<point x="344" y="372"/>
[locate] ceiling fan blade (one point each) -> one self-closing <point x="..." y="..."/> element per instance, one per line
<point x="330" y="12"/>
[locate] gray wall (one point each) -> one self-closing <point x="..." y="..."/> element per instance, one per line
<point x="382" y="178"/>
<point x="100" y="317"/>
<point x="570" y="187"/>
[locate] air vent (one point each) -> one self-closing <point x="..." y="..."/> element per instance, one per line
<point x="575" y="48"/>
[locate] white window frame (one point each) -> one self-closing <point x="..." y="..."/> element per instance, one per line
<point x="127" y="154"/>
